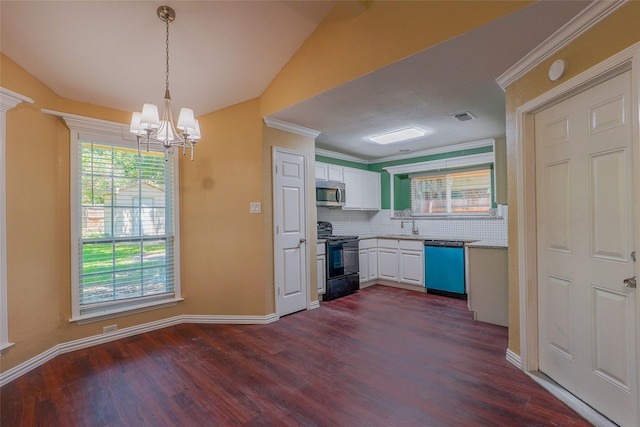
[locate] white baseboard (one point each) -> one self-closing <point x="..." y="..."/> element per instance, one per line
<point x="229" y="320"/>
<point x="514" y="359"/>
<point x="314" y="304"/>
<point x="66" y="347"/>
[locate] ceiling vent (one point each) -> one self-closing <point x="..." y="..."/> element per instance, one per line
<point x="463" y="117"/>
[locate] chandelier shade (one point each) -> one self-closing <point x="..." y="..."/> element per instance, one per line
<point x="151" y="128"/>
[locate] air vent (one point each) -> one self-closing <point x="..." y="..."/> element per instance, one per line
<point x="463" y="117"/>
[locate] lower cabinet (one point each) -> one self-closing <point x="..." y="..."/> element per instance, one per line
<point x="388" y="264"/>
<point x="368" y="258"/>
<point x="411" y="267"/>
<point x="321" y="260"/>
<point x="401" y="261"/>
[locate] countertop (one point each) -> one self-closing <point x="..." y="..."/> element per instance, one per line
<point x="472" y="243"/>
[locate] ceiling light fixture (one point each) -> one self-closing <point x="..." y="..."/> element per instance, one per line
<point x="397" y="135"/>
<point x="147" y="125"/>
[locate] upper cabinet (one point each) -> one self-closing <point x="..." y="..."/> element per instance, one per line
<point x="329" y="172"/>
<point x="362" y="187"/>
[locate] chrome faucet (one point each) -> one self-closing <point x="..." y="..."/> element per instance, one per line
<point x="414" y="227"/>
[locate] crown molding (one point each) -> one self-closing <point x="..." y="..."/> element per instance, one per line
<point x="422" y="153"/>
<point x="590" y="16"/>
<point x="290" y="127"/>
<point x="439" y="150"/>
<point x="9" y="99"/>
<point x="340" y="156"/>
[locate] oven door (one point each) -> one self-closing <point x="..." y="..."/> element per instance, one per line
<point x="342" y="258"/>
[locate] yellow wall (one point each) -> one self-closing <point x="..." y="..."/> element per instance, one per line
<point x="223" y="267"/>
<point x="344" y="47"/>
<point x="226" y="253"/>
<point x="613" y="34"/>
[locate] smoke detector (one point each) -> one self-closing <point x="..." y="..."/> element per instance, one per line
<point x="463" y="117"/>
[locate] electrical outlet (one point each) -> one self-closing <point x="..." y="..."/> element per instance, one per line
<point x="110" y="328"/>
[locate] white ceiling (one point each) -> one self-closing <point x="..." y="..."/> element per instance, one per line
<point x="111" y="53"/>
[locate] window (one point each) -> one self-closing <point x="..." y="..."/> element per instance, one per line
<point x="452" y="193"/>
<point x="124" y="240"/>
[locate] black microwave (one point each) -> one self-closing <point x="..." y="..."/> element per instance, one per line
<point x="330" y="193"/>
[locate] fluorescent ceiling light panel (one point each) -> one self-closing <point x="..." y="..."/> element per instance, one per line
<point x="397" y="135"/>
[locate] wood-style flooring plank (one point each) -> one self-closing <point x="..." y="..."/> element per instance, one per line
<point x="381" y="357"/>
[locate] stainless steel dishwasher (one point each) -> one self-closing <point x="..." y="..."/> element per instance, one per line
<point x="444" y="268"/>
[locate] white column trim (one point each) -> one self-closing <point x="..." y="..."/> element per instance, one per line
<point x="8" y="100"/>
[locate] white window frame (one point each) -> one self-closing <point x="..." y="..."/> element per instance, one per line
<point x="435" y="165"/>
<point x="447" y="174"/>
<point x="84" y="129"/>
<point x="8" y="100"/>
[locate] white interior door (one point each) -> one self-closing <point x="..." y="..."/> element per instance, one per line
<point x="290" y="218"/>
<point x="585" y="232"/>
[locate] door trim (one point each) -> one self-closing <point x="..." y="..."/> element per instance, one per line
<point x="627" y="59"/>
<point x="276" y="272"/>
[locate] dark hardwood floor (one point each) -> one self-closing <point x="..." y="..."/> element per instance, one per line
<point x="381" y="357"/>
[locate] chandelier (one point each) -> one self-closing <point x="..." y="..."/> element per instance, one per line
<point x="150" y="128"/>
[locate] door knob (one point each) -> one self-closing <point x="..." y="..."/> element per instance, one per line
<point x="630" y="282"/>
<point x="303" y="240"/>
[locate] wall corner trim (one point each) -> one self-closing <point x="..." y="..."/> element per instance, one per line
<point x="66" y="347"/>
<point x="290" y="127"/>
<point x="590" y="16"/>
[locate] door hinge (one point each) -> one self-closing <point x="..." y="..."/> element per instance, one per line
<point x="278" y="290"/>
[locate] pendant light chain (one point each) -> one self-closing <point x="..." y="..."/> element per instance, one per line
<point x="167" y="60"/>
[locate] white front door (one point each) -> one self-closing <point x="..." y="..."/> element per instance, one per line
<point x="585" y="232"/>
<point x="290" y="219"/>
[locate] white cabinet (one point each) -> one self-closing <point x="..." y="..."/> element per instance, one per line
<point x="388" y="259"/>
<point x="401" y="261"/>
<point x="329" y="172"/>
<point x="371" y="190"/>
<point x="321" y="259"/>
<point x="353" y="189"/>
<point x="362" y="189"/>
<point x="373" y="263"/>
<point x="368" y="257"/>
<point x="411" y="267"/>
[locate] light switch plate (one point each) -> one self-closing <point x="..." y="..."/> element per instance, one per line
<point x="255" y="207"/>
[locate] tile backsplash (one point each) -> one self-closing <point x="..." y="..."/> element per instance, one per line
<point x="363" y="223"/>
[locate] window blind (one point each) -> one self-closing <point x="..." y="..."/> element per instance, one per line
<point x="126" y="247"/>
<point x="453" y="192"/>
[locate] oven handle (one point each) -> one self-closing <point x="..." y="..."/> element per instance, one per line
<point x="338" y="195"/>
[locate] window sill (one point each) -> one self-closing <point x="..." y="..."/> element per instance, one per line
<point x="124" y="311"/>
